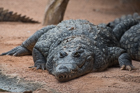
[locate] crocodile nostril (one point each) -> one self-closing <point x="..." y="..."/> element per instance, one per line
<point x="63" y="68"/>
<point x="74" y="70"/>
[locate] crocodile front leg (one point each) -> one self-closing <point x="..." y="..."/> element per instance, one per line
<point x="125" y="62"/>
<point x="40" y="53"/>
<point x="39" y="59"/>
<point x="118" y="55"/>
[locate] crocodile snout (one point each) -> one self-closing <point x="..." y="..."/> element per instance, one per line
<point x="65" y="72"/>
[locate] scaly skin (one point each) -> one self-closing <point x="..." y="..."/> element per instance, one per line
<point x="74" y="48"/>
<point x="127" y="31"/>
<point x="131" y="42"/>
<point x="113" y="24"/>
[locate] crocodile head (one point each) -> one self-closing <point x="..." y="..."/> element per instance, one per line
<point x="70" y="63"/>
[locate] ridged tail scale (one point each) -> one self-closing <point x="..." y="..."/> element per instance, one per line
<point x="135" y="16"/>
<point x="6" y="15"/>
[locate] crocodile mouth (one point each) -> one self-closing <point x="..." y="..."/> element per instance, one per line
<point x="64" y="77"/>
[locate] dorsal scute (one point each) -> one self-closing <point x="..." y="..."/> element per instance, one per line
<point x="6" y="15"/>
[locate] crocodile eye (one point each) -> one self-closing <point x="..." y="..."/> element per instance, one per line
<point x="76" y="54"/>
<point x="62" y="54"/>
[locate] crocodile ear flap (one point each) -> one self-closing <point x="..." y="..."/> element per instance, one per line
<point x="108" y="24"/>
<point x="62" y="54"/>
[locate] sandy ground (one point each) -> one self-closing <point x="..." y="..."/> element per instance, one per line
<point x="12" y="34"/>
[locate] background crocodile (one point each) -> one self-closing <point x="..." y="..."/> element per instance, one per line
<point x="74" y="48"/>
<point x="127" y="31"/>
<point x="6" y="15"/>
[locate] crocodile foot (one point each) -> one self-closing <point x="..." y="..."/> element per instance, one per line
<point x="128" y="67"/>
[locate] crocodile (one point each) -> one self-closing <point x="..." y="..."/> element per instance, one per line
<point x="74" y="48"/>
<point x="6" y="15"/>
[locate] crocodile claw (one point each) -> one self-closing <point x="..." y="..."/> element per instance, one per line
<point x="40" y="66"/>
<point x="18" y="51"/>
<point x="128" y="67"/>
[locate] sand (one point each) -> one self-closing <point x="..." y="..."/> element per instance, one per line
<point x="12" y="34"/>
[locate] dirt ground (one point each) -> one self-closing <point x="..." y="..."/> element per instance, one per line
<point x="12" y="34"/>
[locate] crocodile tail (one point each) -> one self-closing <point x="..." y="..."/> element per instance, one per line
<point x="6" y="15"/>
<point x="135" y="16"/>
